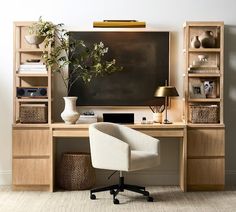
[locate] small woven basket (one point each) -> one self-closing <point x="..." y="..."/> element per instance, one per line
<point x="33" y="113"/>
<point x="76" y="171"/>
<point x="203" y="114"/>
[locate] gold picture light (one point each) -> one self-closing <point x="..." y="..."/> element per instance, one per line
<point x="119" y="24"/>
<point x="166" y="91"/>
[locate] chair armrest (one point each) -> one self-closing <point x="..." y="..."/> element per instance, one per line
<point x="108" y="152"/>
<point x="140" y="141"/>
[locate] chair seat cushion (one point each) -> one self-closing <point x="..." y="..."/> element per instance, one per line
<point x="143" y="160"/>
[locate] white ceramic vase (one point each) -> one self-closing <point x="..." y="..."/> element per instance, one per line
<point x="70" y="115"/>
<point x="157" y="117"/>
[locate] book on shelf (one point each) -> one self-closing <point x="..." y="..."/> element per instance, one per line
<point x="203" y="69"/>
<point x="28" y="66"/>
<point x="32" y="72"/>
<point x="32" y="68"/>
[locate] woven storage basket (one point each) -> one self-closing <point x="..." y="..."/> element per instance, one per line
<point x="203" y="114"/>
<point x="76" y="171"/>
<point x="33" y="113"/>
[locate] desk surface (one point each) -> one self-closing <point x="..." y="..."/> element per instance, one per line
<point x="155" y="130"/>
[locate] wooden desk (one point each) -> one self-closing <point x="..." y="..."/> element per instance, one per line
<point x="176" y="130"/>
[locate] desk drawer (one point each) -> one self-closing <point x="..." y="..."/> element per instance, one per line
<point x="205" y="172"/>
<point x="206" y="142"/>
<point x="31" y="142"/>
<point x="31" y="171"/>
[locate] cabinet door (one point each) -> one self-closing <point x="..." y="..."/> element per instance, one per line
<point x="31" y="142"/>
<point x="206" y="142"/>
<point x="31" y="171"/>
<point x="206" y="172"/>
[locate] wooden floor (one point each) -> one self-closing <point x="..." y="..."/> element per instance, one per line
<point x="167" y="198"/>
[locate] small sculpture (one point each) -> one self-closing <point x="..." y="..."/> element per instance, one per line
<point x="195" y="42"/>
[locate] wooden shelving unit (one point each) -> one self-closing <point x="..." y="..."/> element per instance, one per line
<point x="206" y="142"/>
<point x="31" y="147"/>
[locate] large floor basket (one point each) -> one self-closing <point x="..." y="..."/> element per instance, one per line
<point x="76" y="171"/>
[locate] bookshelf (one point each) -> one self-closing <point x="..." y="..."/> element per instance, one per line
<point x="32" y="115"/>
<point x="203" y="113"/>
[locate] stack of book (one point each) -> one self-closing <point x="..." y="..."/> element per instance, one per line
<point x="32" y="68"/>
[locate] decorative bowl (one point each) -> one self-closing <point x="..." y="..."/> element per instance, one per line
<point x="34" y="39"/>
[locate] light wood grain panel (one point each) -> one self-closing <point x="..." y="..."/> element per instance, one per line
<point x="34" y="82"/>
<point x="206" y="171"/>
<point x="183" y="162"/>
<point x="31" y="142"/>
<point x="84" y="133"/>
<point x="206" y="142"/>
<point x="31" y="172"/>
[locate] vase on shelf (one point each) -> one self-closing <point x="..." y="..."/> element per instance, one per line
<point x="70" y="115"/>
<point x="207" y="39"/>
<point x="195" y="42"/>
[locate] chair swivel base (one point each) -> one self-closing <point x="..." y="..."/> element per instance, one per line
<point x="115" y="189"/>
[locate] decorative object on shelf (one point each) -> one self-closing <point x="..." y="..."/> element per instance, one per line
<point x="70" y="115"/>
<point x="43" y="30"/>
<point x="166" y="91"/>
<point x="196" y="90"/>
<point x="195" y="42"/>
<point x="88" y="117"/>
<point x="203" y="57"/>
<point x="33" y="113"/>
<point x="34" y="39"/>
<point x="144" y="120"/>
<point x="210" y="88"/>
<point x="207" y="39"/>
<point x="119" y="24"/>
<point x="203" y="113"/>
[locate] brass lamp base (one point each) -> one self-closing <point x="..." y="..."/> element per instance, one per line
<point x="167" y="122"/>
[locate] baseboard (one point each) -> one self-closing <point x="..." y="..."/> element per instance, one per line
<point x="144" y="178"/>
<point x="5" y="177"/>
<point x="230" y="177"/>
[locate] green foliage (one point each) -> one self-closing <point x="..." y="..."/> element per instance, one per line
<point x="47" y="29"/>
<point x="86" y="62"/>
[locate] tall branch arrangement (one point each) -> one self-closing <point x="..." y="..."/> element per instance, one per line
<point x="85" y="62"/>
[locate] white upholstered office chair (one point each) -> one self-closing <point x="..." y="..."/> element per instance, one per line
<point x="117" y="147"/>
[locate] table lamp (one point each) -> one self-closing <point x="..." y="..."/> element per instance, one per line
<point x="166" y="91"/>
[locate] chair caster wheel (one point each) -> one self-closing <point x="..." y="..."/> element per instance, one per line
<point x="92" y="196"/>
<point x="146" y="193"/>
<point x="112" y="191"/>
<point x="149" y="199"/>
<point x="116" y="201"/>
